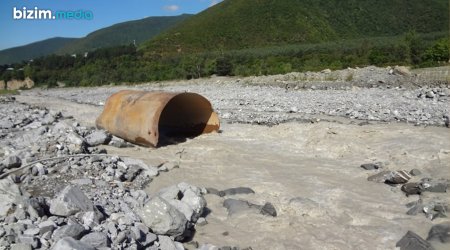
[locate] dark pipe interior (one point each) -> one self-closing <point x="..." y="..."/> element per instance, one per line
<point x="184" y="116"/>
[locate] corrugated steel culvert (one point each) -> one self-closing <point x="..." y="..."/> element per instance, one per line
<point x="147" y="118"/>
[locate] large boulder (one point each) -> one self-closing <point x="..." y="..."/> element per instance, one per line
<point x="98" y="137"/>
<point x="162" y="218"/>
<point x="70" y="201"/>
<point x="186" y="198"/>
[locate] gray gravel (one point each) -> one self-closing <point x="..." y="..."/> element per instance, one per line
<point x="376" y="95"/>
<point x="81" y="197"/>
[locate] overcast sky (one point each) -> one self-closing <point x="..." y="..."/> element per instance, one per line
<point x="105" y="13"/>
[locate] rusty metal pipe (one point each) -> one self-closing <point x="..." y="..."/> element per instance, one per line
<point x="144" y="117"/>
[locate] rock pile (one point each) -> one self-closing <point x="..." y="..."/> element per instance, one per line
<point x="432" y="207"/>
<point x="77" y="219"/>
<point x="59" y="190"/>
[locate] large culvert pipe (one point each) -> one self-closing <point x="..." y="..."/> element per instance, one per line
<point x="144" y="117"/>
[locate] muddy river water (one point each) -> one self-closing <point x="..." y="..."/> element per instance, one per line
<point x="310" y="173"/>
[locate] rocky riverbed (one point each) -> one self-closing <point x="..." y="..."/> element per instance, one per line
<point x="363" y="167"/>
<point x="270" y="101"/>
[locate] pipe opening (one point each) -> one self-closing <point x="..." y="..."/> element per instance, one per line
<point x="185" y="116"/>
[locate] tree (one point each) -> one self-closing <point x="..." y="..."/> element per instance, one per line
<point x="439" y="52"/>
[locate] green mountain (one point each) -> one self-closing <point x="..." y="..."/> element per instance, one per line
<point x="119" y="34"/>
<point x="33" y="50"/>
<point x="239" y="24"/>
<point x="123" y="34"/>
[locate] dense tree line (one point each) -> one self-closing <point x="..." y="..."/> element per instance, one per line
<point x="127" y="64"/>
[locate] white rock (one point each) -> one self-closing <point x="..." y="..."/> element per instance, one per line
<point x="74" y="138"/>
<point x="163" y="218"/>
<point x="98" y="137"/>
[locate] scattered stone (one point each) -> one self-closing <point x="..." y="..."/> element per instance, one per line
<point x="29" y="240"/>
<point x="12" y="162"/>
<point x="371" y="166"/>
<point x="70" y="201"/>
<point x="412" y="188"/>
<point x="141" y="234"/>
<point x="194" y="199"/>
<point x="31" y="231"/>
<point x="69" y="243"/>
<point x="121" y="237"/>
<point x="238" y="190"/>
<point x="412" y="241"/>
<point x="269" y="209"/>
<point x="415" y="207"/>
<point x="234" y="206"/>
<point x="185" y="198"/>
<point x="398" y="177"/>
<point x="293" y="110"/>
<point x="429" y="185"/>
<point x="437" y="186"/>
<point x="91" y="219"/>
<point x="98" y="137"/>
<point x="46" y="226"/>
<point x="74" y="230"/>
<point x="75" y="139"/>
<point x="167" y="243"/>
<point x="162" y="218"/>
<point x="119" y="143"/>
<point x="440" y="232"/>
<point x="215" y="192"/>
<point x="430" y="94"/>
<point x="96" y="239"/>
<point x="148" y="170"/>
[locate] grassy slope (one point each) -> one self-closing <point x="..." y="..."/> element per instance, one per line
<point x="33" y="50"/>
<point x="237" y="24"/>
